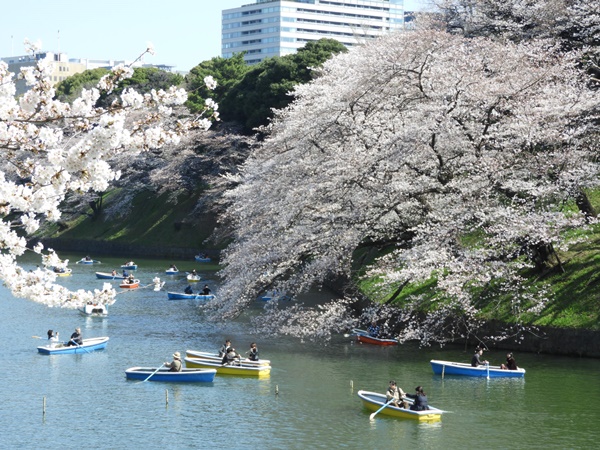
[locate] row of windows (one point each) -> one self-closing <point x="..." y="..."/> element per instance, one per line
<point x="340" y="14"/>
<point x="337" y="24"/>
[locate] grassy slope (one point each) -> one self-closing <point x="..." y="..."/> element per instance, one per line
<point x="152" y="222"/>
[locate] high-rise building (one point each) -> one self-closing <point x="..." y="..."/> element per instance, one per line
<point x="276" y="28"/>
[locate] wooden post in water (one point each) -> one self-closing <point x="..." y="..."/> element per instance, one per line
<point x="276" y="389"/>
<point x="443" y="369"/>
<point x="44" y="406"/>
<point x="166" y="397"/>
<point x="351" y="386"/>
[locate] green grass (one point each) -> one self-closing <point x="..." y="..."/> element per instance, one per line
<point x="153" y="222"/>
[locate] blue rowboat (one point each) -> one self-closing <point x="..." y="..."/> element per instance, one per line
<point x="199" y="258"/>
<point x="129" y="266"/>
<point x="171" y="272"/>
<point x="183" y="296"/>
<point x="87" y="261"/>
<point x="163" y="374"/>
<point x="88" y="346"/>
<point x="109" y="276"/>
<point x="374" y="401"/>
<point x="455" y="368"/>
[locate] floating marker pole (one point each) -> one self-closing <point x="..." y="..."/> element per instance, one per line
<point x="166" y="396"/>
<point x="276" y="389"/>
<point x="443" y="369"/>
<point x="44" y="406"/>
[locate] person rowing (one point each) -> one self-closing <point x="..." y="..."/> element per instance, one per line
<point x="76" y="338"/>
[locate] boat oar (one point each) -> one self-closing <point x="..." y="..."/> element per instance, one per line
<point x="487" y="366"/>
<point x="150" y="376"/>
<point x="82" y="348"/>
<point x="372" y="416"/>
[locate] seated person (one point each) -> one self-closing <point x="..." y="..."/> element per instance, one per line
<point x="476" y="359"/>
<point x="420" y="403"/>
<point x="76" y="338"/>
<point x="511" y="364"/>
<point x="175" y="365"/>
<point x="394" y="395"/>
<point x="206" y="290"/>
<point x="373" y="329"/>
<point x="188" y="290"/>
<point x="253" y="352"/>
<point x="230" y="356"/>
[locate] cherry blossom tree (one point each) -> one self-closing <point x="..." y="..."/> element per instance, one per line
<point x="51" y="148"/>
<point x="450" y="158"/>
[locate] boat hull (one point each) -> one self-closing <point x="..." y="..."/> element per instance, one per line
<point x="374" y="401"/>
<point x="134" y="285"/>
<point x="171" y="272"/>
<point x="193" y="278"/>
<point x="108" y="276"/>
<point x="363" y="337"/>
<point x="88" y="346"/>
<point x="215" y="357"/>
<point x="183" y="296"/>
<point x="163" y="375"/>
<point x="65" y="273"/>
<point x="241" y="370"/>
<point x="130" y="267"/>
<point x="454" y="368"/>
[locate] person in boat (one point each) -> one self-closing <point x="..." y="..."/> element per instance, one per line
<point x="206" y="290"/>
<point x="420" y="400"/>
<point x="130" y="279"/>
<point x="114" y="273"/>
<point x="230" y="357"/>
<point x="76" y="338"/>
<point x="253" y="352"/>
<point x="225" y="348"/>
<point x="374" y="330"/>
<point x="511" y="364"/>
<point x="175" y="365"/>
<point x="53" y="338"/>
<point x="87" y="258"/>
<point x="476" y="359"/>
<point x="193" y="272"/>
<point x="125" y="273"/>
<point x="59" y="269"/>
<point x="174" y="268"/>
<point x="188" y="290"/>
<point x="395" y="394"/>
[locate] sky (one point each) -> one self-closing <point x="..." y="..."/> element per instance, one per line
<point x="183" y="32"/>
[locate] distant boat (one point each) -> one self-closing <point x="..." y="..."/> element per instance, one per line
<point x="365" y="338"/>
<point x="455" y="368"/>
<point x="201" y="258"/>
<point x="193" y="278"/>
<point x="163" y="374"/>
<point x="129" y="266"/>
<point x="134" y="284"/>
<point x="171" y="271"/>
<point x="94" y="310"/>
<point x="184" y="296"/>
<point x="109" y="276"/>
<point x="88" y="345"/>
<point x="374" y="401"/>
<point x="87" y="261"/>
<point x="62" y="272"/>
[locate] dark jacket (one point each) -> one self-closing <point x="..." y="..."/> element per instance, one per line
<point x="420" y="403"/>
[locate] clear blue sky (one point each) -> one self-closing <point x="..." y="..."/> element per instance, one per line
<point x="183" y="32"/>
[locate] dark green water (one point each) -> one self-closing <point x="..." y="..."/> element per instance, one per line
<point x="309" y="401"/>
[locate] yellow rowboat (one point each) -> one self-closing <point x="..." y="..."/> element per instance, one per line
<point x="238" y="368"/>
<point x="62" y="272"/>
<point x="374" y="401"/>
<point x="215" y="357"/>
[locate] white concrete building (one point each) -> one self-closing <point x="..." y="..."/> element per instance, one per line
<point x="269" y="28"/>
